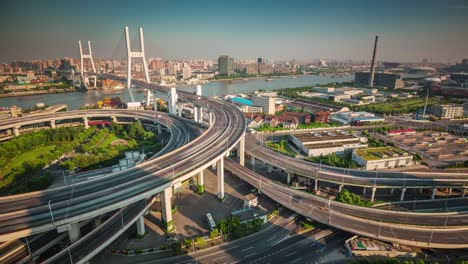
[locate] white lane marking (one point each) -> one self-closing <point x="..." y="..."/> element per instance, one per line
<point x="245" y="249"/>
<point x="251" y="254"/>
<point x="290" y="254"/>
<point x="271" y="238"/>
<point x="298" y="259"/>
<point x="219" y="258"/>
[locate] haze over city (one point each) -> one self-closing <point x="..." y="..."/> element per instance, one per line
<point x="301" y="30"/>
<point x="292" y="131"/>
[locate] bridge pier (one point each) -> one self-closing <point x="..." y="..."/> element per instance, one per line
<point x="364" y="190"/>
<point x="195" y="113"/>
<point x="463" y="192"/>
<point x="434" y="191"/>
<point x="241" y="151"/>
<point x="290" y="175"/>
<point x="200" y="178"/>
<point x="85" y="121"/>
<point x="166" y="209"/>
<point x="391" y="191"/>
<point x="52" y="124"/>
<point x="373" y="194"/>
<point x="402" y="196"/>
<point x="141" y="226"/>
<point x="316" y="185"/>
<point x="97" y="222"/>
<point x="340" y="187"/>
<point x="74" y="232"/>
<point x="114" y="119"/>
<point x="252" y="160"/>
<point x="200" y="115"/>
<point x="220" y="176"/>
<point x="179" y="109"/>
<point x="211" y="118"/>
<point x="16" y="131"/>
<point x="270" y="168"/>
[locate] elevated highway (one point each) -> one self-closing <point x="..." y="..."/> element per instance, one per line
<point x="370" y="222"/>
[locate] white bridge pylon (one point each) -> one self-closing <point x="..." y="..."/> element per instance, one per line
<point x="86" y="56"/>
<point x="135" y="54"/>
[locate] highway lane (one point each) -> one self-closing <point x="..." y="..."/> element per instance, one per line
<point x="331" y="214"/>
<point x="145" y="184"/>
<point x="23" y="201"/>
<point x="352" y="177"/>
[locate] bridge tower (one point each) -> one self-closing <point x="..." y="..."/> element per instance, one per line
<point x="86" y="56"/>
<point x="135" y="54"/>
<point x="82" y="58"/>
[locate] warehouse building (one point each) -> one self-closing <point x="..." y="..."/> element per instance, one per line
<point x="314" y="144"/>
<point x="382" y="158"/>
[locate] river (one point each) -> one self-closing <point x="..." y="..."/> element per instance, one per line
<point x="77" y="99"/>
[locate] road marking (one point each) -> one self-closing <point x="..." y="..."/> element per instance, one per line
<point x="271" y="238"/>
<point x="298" y="259"/>
<point x="290" y="254"/>
<point x="251" y="254"/>
<point x="245" y="249"/>
<point x="219" y="258"/>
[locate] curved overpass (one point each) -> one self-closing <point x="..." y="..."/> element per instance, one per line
<point x="380" y="224"/>
<point x="23" y="215"/>
<point x="354" y="177"/>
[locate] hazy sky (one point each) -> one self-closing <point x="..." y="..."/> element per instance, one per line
<point x="409" y="30"/>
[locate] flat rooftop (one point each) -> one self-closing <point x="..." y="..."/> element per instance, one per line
<point x="332" y="144"/>
<point x="381" y="153"/>
<point x="323" y="136"/>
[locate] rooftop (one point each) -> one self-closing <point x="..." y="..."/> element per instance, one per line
<point x="381" y="153"/>
<point x="323" y="136"/>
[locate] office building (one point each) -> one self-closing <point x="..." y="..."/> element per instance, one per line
<point x="390" y="80"/>
<point x="447" y="111"/>
<point x="266" y="102"/>
<point x="314" y="144"/>
<point x="381" y="158"/>
<point x="225" y="65"/>
<point x="186" y="73"/>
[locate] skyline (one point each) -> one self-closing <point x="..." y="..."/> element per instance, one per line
<point x="341" y="30"/>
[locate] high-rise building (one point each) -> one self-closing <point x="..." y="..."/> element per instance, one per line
<point x="390" y="80"/>
<point x="225" y="65"/>
<point x="186" y="72"/>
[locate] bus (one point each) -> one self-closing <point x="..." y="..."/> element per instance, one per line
<point x="211" y="223"/>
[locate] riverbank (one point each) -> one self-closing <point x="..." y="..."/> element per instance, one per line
<point x="42" y="92"/>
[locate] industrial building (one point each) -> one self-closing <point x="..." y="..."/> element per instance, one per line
<point x="382" y="158"/>
<point x="447" y="111"/>
<point x="314" y="144"/>
<point x="390" y="80"/>
<point x="355" y="118"/>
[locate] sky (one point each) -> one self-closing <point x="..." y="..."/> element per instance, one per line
<point x="304" y="30"/>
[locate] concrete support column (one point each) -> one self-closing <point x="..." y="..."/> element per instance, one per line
<point x="420" y="190"/>
<point x="364" y="189"/>
<point x="241" y="151"/>
<point x="97" y="222"/>
<point x="403" y="190"/>
<point x="434" y="190"/>
<point x="114" y="119"/>
<point x="290" y="175"/>
<point x="316" y="185"/>
<point x="200" y="178"/>
<point x="200" y="115"/>
<point x="52" y="123"/>
<point x="449" y="190"/>
<point x="463" y="191"/>
<point x="373" y="194"/>
<point x="74" y="232"/>
<point x="85" y="122"/>
<point x="270" y="168"/>
<point x="141" y="225"/>
<point x="211" y="119"/>
<point x="159" y="129"/>
<point x="391" y="191"/>
<point x="166" y="209"/>
<point x="179" y="109"/>
<point x="220" y="176"/>
<point x="340" y="187"/>
<point x="252" y="160"/>
<point x="195" y="113"/>
<point x="16" y="131"/>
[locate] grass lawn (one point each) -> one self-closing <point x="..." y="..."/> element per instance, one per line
<point x="109" y="139"/>
<point x="285" y="150"/>
<point x="30" y="156"/>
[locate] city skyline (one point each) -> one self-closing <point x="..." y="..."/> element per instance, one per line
<point x="300" y="30"/>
